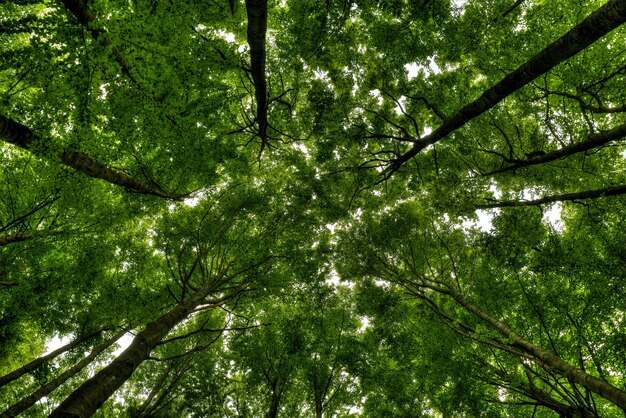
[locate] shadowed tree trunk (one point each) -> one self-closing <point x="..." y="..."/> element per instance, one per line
<point x="86" y="17"/>
<point x="24" y="236"/>
<point x="44" y="390"/>
<point x="595" y="26"/>
<point x="85" y="400"/>
<point x="29" y="367"/>
<point x="589" y="194"/>
<point x="21" y="136"/>
<point x="257" y="28"/>
<point x="594" y="140"/>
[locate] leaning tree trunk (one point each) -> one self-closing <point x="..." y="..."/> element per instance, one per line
<point x="587" y="194"/>
<point x="23" y="137"/>
<point x="27" y="368"/>
<point x="85" y="400"/>
<point x="547" y="359"/>
<point x="44" y="390"/>
<point x="594" y="140"/>
<point x="595" y="26"/>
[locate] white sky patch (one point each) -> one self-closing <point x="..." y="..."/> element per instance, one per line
<point x="197" y="197"/>
<point x="227" y="36"/>
<point x="552" y="217"/>
<point x="376" y="93"/>
<point x="321" y="75"/>
<point x="365" y="323"/>
<point x="57" y="342"/>
<point x="459" y="5"/>
<point x="103" y="92"/>
<point x="123" y="343"/>
<point x="412" y="69"/>
<point x="484" y="222"/>
<point x="302" y="148"/>
<point x="400" y="107"/>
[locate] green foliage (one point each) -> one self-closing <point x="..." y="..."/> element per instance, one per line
<point x="343" y="264"/>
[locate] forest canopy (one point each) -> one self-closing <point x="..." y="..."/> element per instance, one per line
<point x="306" y="208"/>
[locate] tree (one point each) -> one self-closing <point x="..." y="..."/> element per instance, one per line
<point x="292" y="208"/>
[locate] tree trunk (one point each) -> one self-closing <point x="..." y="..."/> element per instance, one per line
<point x="18" y="134"/>
<point x="547" y="359"/>
<point x="588" y="194"/>
<point x="257" y="28"/>
<point x="17" y="373"/>
<point x="595" y="26"/>
<point x="85" y="400"/>
<point x="593" y="141"/>
<point x="44" y="390"/>
<point x="24" y="236"/>
<point x="86" y="17"/>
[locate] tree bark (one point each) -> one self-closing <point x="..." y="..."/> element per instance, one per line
<point x="544" y="357"/>
<point x="86" y="399"/>
<point x="29" y="367"/>
<point x="595" y="26"/>
<point x="23" y="236"/>
<point x="594" y="140"/>
<point x="44" y="390"/>
<point x="589" y="194"/>
<point x="86" y="17"/>
<point x="257" y="28"/>
<point x="21" y="136"/>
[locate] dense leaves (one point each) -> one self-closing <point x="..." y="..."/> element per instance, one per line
<point x="312" y="208"/>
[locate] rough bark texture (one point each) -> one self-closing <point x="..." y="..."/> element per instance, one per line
<point x="44" y="390"/>
<point x="595" y="26"/>
<point x="589" y="194"/>
<point x="593" y="141"/>
<point x="85" y="400"/>
<point x="547" y="359"/>
<point x="29" y="367"/>
<point x="257" y="28"/>
<point x="18" y="134"/>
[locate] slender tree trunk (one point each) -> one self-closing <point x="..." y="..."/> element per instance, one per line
<point x="589" y="194"/>
<point x="278" y="388"/>
<point x="44" y="390"/>
<point x="85" y="400"/>
<point x="257" y="28"/>
<point x="593" y="141"/>
<point x="150" y="408"/>
<point x="86" y="17"/>
<point x="24" y="236"/>
<point x="595" y="26"/>
<point x="4" y="283"/>
<point x="547" y="359"/>
<point x="29" y="367"/>
<point x="21" y="136"/>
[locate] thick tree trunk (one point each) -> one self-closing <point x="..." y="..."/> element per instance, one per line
<point x="593" y="141"/>
<point x="21" y="136"/>
<point x="589" y="194"/>
<point x="257" y="28"/>
<point x="27" y="368"/>
<point x="544" y="357"/>
<point x="44" y="390"/>
<point x="595" y="26"/>
<point x="85" y="400"/>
